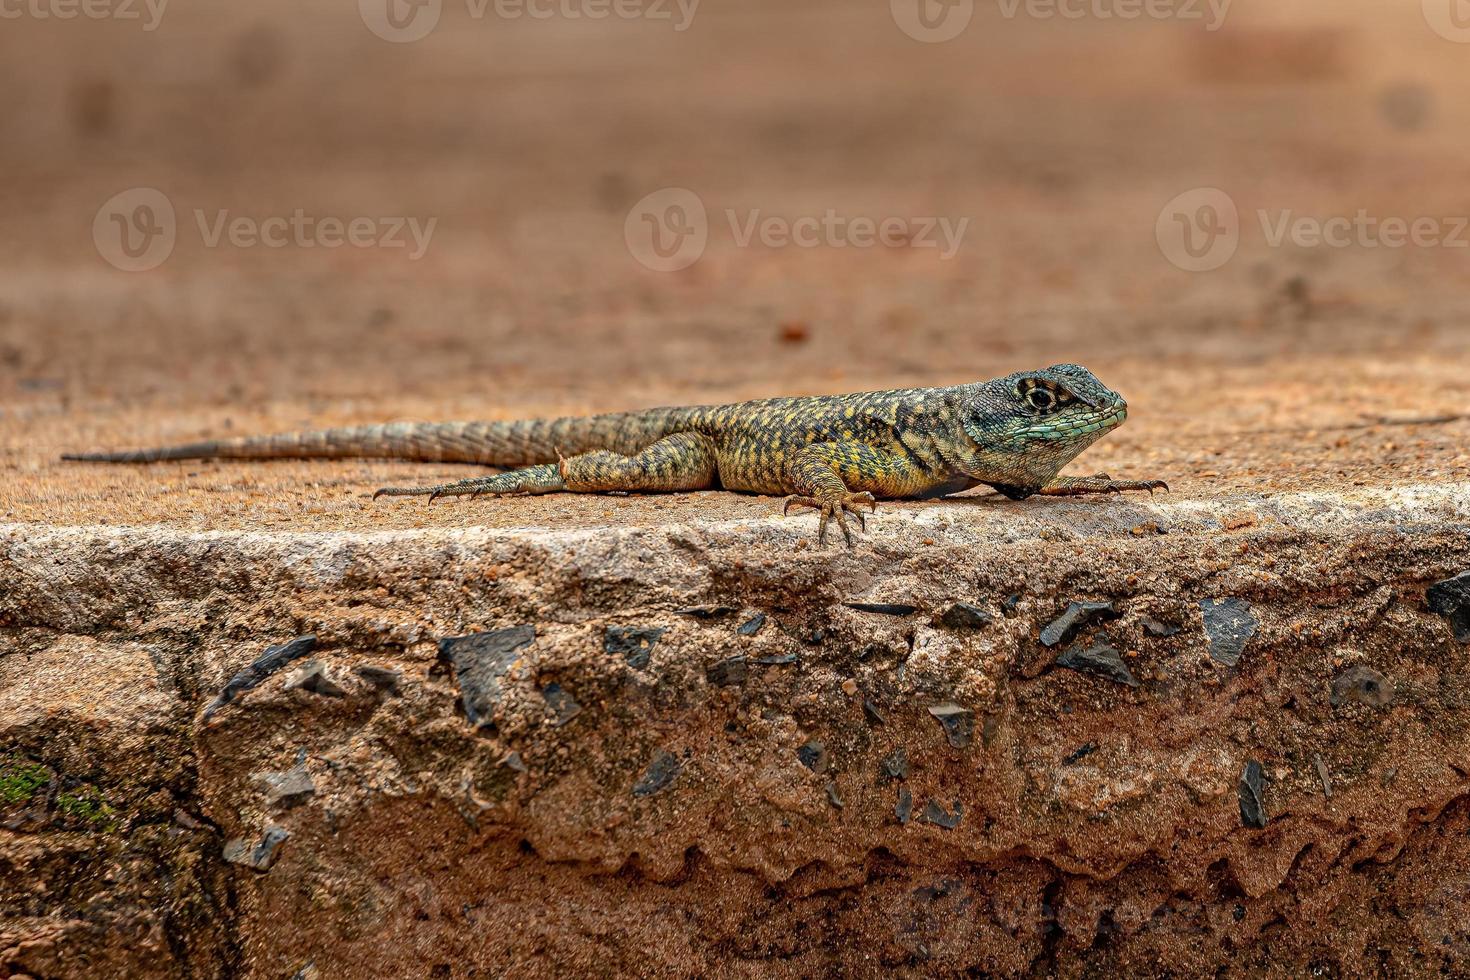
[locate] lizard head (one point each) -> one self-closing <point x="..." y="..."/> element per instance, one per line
<point x="1027" y="426"/>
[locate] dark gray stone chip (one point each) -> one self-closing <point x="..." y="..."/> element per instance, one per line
<point x="1076" y="616"/>
<point x="286" y="789"/>
<point x="260" y="669"/>
<point x="965" y="616"/>
<point x="561" y="703"/>
<point x="1229" y="626"/>
<point x="258" y="855"/>
<point x="1079" y="753"/>
<point x="905" y="808"/>
<point x="313" y="678"/>
<point x="813" y="755"/>
<point x="896" y="764"/>
<point x="662" y="769"/>
<point x="731" y="670"/>
<point x="752" y="626"/>
<point x="633" y="643"/>
<point x="1451" y="599"/>
<point x="706" y="612"/>
<point x="958" y="723"/>
<point x="940" y="817"/>
<point x="1101" y="660"/>
<point x="1154" y="627"/>
<point x="1252" y="807"/>
<point x="883" y="608"/>
<point x="481" y="661"/>
<point x="382" y="678"/>
<point x="779" y="660"/>
<point x="872" y="714"/>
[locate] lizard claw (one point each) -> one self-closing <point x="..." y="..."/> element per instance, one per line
<point x="835" y="507"/>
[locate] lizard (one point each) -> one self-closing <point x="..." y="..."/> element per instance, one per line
<point x="835" y="454"/>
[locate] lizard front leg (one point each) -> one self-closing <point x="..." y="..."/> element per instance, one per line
<point x="840" y="478"/>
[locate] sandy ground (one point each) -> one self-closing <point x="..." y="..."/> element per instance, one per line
<point x="530" y="141"/>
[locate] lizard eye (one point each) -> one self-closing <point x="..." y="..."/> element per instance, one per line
<point x="1041" y="398"/>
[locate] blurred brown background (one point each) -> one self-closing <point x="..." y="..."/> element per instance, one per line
<point x="528" y="140"/>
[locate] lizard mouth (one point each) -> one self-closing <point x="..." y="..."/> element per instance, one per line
<point x="1083" y="425"/>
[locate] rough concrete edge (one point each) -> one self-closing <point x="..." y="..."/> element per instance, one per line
<point x="1305" y="510"/>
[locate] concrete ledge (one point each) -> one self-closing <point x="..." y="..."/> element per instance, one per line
<point x="708" y="749"/>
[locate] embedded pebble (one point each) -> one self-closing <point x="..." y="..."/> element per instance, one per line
<point x="286" y="789"/>
<point x="1229" y="626"/>
<point x="662" y="769"/>
<point x="1154" y="627"/>
<point x="883" y="608"/>
<point x="1364" y="685"/>
<point x="732" y="670"/>
<point x="1101" y="660"/>
<point x="958" y="723"/>
<point x="1451" y="599"/>
<point x="1076" y="616"/>
<point x="561" y="703"/>
<point x="633" y="643"/>
<point x="1252" y="807"/>
<point x="896" y="764"/>
<point x="260" y="669"/>
<point x="752" y="626"/>
<point x="480" y="662"/>
<point x="385" y="680"/>
<point x="313" y="677"/>
<point x="872" y="714"/>
<point x="940" y="817"/>
<point x="813" y="755"/>
<point x="965" y="615"/>
<point x="258" y="855"/>
<point x="1079" y="753"/>
<point x="706" y="612"/>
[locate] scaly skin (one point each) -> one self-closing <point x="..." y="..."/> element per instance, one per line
<point x="836" y="454"/>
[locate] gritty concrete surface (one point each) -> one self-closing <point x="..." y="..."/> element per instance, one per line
<point x="684" y="740"/>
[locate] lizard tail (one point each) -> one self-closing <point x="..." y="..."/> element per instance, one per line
<point x="520" y="443"/>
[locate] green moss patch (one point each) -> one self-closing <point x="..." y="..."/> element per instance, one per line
<point x="21" y="780"/>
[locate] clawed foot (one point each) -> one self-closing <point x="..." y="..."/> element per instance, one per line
<point x="838" y="507"/>
<point x="495" y="485"/>
<point x="1077" y="486"/>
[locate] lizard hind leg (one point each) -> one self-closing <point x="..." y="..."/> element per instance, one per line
<point x="683" y="461"/>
